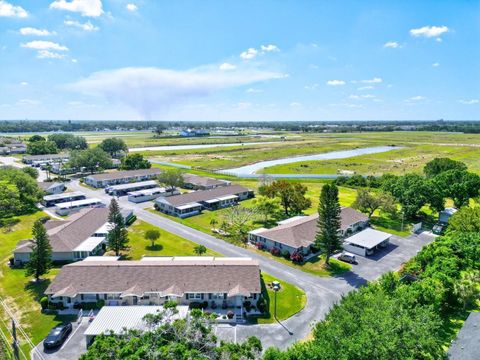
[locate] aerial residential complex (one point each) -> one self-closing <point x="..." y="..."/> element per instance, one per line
<point x="121" y="177"/>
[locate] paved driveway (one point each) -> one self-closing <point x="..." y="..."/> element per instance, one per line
<point x="322" y="292"/>
<point x="72" y="348"/>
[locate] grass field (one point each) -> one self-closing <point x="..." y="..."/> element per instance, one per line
<point x="167" y="245"/>
<point x="290" y="300"/>
<point x="19" y="292"/>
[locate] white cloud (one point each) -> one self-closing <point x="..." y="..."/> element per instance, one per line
<point x="249" y="54"/>
<point x="153" y="90"/>
<point x="74" y="60"/>
<point x="227" y="66"/>
<point x="27" y="102"/>
<point x="91" y="8"/>
<point x="9" y="10"/>
<point x="335" y="82"/>
<point x="131" y="7"/>
<point x="24" y="83"/>
<point x="368" y="87"/>
<point x="366" y="96"/>
<point x="429" y="31"/>
<point x="375" y="80"/>
<point x="416" y="98"/>
<point x="253" y="91"/>
<point x="87" y="26"/>
<point x="35" y="31"/>
<point x="44" y="45"/>
<point x="392" y="44"/>
<point x="270" y="48"/>
<point x="46" y="54"/>
<point x="470" y="101"/>
<point x="436" y="64"/>
<point x="311" y="87"/>
<point x="347" y="105"/>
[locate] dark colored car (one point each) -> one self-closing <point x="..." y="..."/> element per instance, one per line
<point x="57" y="336"/>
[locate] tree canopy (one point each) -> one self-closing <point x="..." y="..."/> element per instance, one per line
<point x="466" y="220"/>
<point x="68" y="141"/>
<point x="291" y="195"/>
<point x="40" y="260"/>
<point x="171" y="179"/>
<point x="41" y="147"/>
<point x="113" y="146"/>
<point x="117" y="237"/>
<point x="92" y="159"/>
<point x="369" y="202"/>
<point x="135" y="161"/>
<point x="440" y="165"/>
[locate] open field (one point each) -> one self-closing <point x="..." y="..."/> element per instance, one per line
<point x="420" y="147"/>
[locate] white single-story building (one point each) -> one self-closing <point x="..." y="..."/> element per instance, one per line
<point x="121" y="177"/>
<point x="150" y="194"/>
<point x="366" y="242"/>
<point x="52" y="187"/>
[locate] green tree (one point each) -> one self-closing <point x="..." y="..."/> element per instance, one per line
<point x="440" y="165"/>
<point x="35" y="138"/>
<point x="171" y="179"/>
<point x="135" y="161"/>
<point x="236" y="219"/>
<point x="10" y="204"/>
<point x="18" y="182"/>
<point x="410" y="190"/>
<point x="291" y="195"/>
<point x="113" y="146"/>
<point x="68" y="141"/>
<point x="213" y="222"/>
<point x="32" y="172"/>
<point x="41" y="256"/>
<point x="465" y="220"/>
<point x="468" y="288"/>
<point x="93" y="159"/>
<point x="369" y="202"/>
<point x="327" y="238"/>
<point x="152" y="235"/>
<point x="200" y="250"/>
<point x="266" y="207"/>
<point x="459" y="185"/>
<point x="41" y="148"/>
<point x="117" y="236"/>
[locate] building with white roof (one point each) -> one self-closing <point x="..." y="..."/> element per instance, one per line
<point x="366" y="242"/>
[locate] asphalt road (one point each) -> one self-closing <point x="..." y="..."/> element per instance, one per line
<point x="322" y="292"/>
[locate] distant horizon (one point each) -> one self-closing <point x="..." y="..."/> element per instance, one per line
<point x="239" y="61"/>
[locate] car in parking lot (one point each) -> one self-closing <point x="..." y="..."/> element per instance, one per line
<point x="57" y="336"/>
<point x="347" y="257"/>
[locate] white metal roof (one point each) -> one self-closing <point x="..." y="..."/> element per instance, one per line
<point x="119" y="318"/>
<point x="85" y="202"/>
<point x="228" y="197"/>
<point x="132" y="185"/>
<point x="63" y="195"/>
<point x="368" y="238"/>
<point x="147" y="191"/>
<point x="102" y="258"/>
<point x="89" y="244"/>
<point x="188" y="206"/>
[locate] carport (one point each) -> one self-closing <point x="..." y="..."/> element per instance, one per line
<point x="118" y="319"/>
<point x="365" y="242"/>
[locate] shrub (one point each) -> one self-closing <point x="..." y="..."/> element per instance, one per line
<point x="260" y="246"/>
<point x="100" y="303"/>
<point x="131" y="220"/>
<point x="198" y="305"/>
<point x="11" y="261"/>
<point x="286" y="254"/>
<point x="44" y="219"/>
<point x="247" y="305"/>
<point x="44" y="302"/>
<point x="261" y="305"/>
<point x="275" y="251"/>
<point x="297" y="257"/>
<point x="230" y="314"/>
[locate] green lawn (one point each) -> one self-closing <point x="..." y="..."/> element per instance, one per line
<point x="19" y="292"/>
<point x="168" y="245"/>
<point x="290" y="300"/>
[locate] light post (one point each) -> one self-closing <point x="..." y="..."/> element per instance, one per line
<point x="276" y="287"/>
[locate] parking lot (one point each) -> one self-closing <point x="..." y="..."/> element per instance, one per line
<point x="72" y="348"/>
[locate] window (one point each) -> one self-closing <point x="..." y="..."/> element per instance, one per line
<point x="217" y="295"/>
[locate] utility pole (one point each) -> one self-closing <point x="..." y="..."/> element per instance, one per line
<point x="15" y="343"/>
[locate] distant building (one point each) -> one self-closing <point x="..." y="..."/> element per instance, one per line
<point x="12" y="146"/>
<point x="196" y="182"/>
<point x="38" y="160"/>
<point x="52" y="188"/>
<point x="193" y="132"/>
<point x="121" y="177"/>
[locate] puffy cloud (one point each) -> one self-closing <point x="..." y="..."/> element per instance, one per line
<point x="253" y="91"/>
<point x="92" y="8"/>
<point x="429" y="31"/>
<point x="9" y="10"/>
<point x="392" y="44"/>
<point x="368" y="87"/>
<point x="249" y="54"/>
<point x="227" y="66"/>
<point x="24" y="83"/>
<point x="46" y="54"/>
<point x="270" y="48"/>
<point x="35" y="31"/>
<point x="151" y="90"/>
<point x="470" y="101"/>
<point x="335" y="82"/>
<point x="436" y="64"/>
<point x="131" y="7"/>
<point x="44" y="45"/>
<point x="87" y="26"/>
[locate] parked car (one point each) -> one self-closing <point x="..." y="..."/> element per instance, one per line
<point x="57" y="336"/>
<point x="347" y="257"/>
<point x="438" y="229"/>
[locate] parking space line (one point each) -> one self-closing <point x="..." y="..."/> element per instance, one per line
<point x="71" y="335"/>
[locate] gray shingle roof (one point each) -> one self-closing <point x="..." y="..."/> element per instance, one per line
<point x="197" y="180"/>
<point x="467" y="344"/>
<point x="124" y="174"/>
<point x="302" y="231"/>
<point x="203" y="195"/>
<point x="177" y="275"/>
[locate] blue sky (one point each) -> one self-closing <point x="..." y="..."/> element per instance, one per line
<point x="239" y="60"/>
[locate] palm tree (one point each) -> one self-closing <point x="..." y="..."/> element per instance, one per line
<point x="213" y="222"/>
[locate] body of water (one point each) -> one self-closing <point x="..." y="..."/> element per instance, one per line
<point x="198" y="146"/>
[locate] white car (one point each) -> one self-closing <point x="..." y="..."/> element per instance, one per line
<point x="347" y="257"/>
